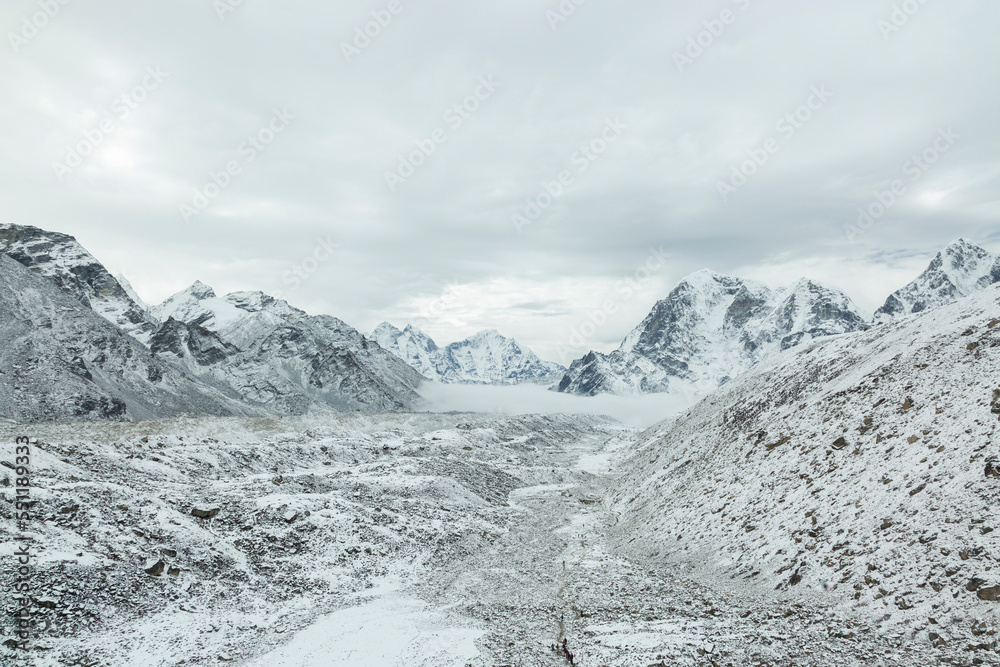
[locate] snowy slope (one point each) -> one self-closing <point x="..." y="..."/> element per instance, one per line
<point x="710" y="329"/>
<point x="277" y="357"/>
<point x="485" y="358"/>
<point x="959" y="270"/>
<point x="72" y="268"/>
<point x="863" y="469"/>
<point x="132" y="294"/>
<point x="60" y="361"/>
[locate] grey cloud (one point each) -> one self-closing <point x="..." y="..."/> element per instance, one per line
<point x="450" y="223"/>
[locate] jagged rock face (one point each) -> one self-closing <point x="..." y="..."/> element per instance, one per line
<point x="277" y="357"/>
<point x="959" y="270"/>
<point x="710" y="329"/>
<point x="60" y="361"/>
<point x="190" y="341"/>
<point x="485" y="358"/>
<point x="807" y="311"/>
<point x="63" y="260"/>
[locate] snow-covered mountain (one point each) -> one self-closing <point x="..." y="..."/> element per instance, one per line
<point x="239" y="318"/>
<point x="710" y="329"/>
<point x="485" y="358"/>
<point x="61" y="361"/>
<point x="862" y="469"/>
<point x="64" y="260"/>
<point x="278" y="357"/>
<point x="245" y="353"/>
<point x="959" y="270"/>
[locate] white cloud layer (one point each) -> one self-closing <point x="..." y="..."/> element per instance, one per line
<point x="81" y="83"/>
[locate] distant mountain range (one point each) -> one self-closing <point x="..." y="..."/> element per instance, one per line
<point x="485" y="358"/>
<point x="712" y="328"/>
<point x="78" y="343"/>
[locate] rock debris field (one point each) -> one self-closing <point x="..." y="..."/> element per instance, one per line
<point x="415" y="540"/>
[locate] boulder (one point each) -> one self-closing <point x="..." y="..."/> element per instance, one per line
<point x="155" y="569"/>
<point x="991" y="594"/>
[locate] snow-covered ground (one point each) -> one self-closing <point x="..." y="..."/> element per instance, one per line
<point x="315" y="516"/>
<point x="389" y="630"/>
<point x="418" y="539"/>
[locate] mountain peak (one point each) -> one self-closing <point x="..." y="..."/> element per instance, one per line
<point x="386" y="326"/>
<point x="703" y="277"/>
<point x="487" y="333"/>
<point x="957" y="271"/>
<point x="412" y="329"/>
<point x="961" y="244"/>
<point x="200" y="290"/>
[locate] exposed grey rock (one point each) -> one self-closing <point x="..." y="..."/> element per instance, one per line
<point x="957" y="271"/>
<point x="156" y="569"/>
<point x="74" y="270"/>
<point x="61" y="361"/>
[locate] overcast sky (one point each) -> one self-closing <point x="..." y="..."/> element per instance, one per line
<point x="665" y="119"/>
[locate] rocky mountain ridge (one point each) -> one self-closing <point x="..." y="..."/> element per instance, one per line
<point x="488" y="357"/>
<point x="956" y="272"/>
<point x="711" y="328"/>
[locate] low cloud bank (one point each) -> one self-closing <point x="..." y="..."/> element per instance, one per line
<point x="640" y="411"/>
